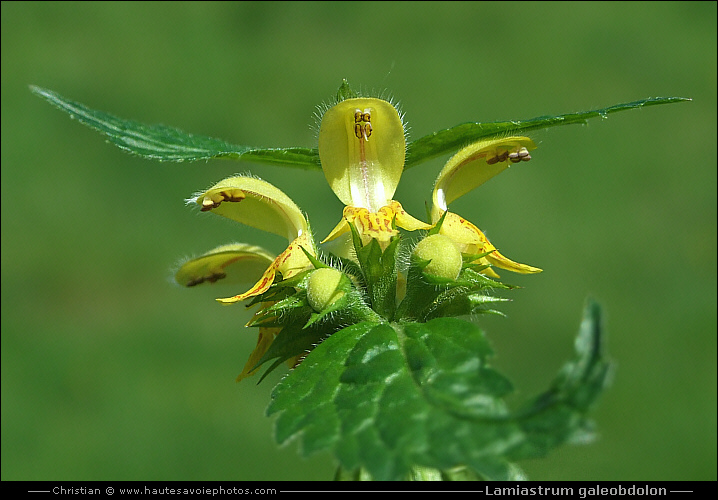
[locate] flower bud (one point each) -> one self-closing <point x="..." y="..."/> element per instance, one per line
<point x="444" y="256"/>
<point x="323" y="288"/>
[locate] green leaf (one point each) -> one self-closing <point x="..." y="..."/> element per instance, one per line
<point x="345" y="92"/>
<point x="160" y="142"/>
<point x="452" y="139"/>
<point x="163" y="143"/>
<point x="573" y="392"/>
<point x="581" y="380"/>
<point x="388" y="397"/>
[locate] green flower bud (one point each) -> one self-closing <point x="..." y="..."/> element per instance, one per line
<point x="444" y="256"/>
<point x="322" y="288"/>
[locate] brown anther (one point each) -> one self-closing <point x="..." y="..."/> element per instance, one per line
<point x="211" y="278"/>
<point x="503" y="156"/>
<point x="233" y="195"/>
<point x="358" y="130"/>
<point x="209" y="204"/>
<point x="215" y="276"/>
<point x="492" y="160"/>
<point x="520" y="155"/>
<point x="195" y="282"/>
<point x="214" y="200"/>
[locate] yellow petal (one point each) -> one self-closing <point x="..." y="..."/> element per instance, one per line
<point x="377" y="225"/>
<point x="406" y="221"/>
<point x="499" y="260"/>
<point x="362" y="149"/>
<point x="256" y="203"/>
<point x="339" y="229"/>
<point x="475" y="164"/>
<point x="290" y="262"/>
<point x="264" y="341"/>
<point x="489" y="272"/>
<point x="266" y="337"/>
<point x="471" y="240"/>
<point x="233" y="263"/>
<point x="341" y="245"/>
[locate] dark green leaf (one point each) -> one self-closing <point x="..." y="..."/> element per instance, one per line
<point x="165" y="143"/>
<point x="452" y="139"/>
<point x="159" y="142"/>
<point x="388" y="397"/>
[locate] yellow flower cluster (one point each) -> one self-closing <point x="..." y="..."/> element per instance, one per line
<point x="362" y="150"/>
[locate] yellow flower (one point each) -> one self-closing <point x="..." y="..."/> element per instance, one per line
<point x="362" y="150"/>
<point x="259" y="204"/>
<point x="466" y="170"/>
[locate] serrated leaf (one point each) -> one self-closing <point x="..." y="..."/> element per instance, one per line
<point x="160" y="142"/>
<point x="388" y="397"/>
<point x="581" y="380"/>
<point x="452" y="139"/>
<point x="163" y="143"/>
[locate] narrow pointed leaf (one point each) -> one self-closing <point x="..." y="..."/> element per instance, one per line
<point x="163" y="143"/>
<point x="452" y="139"/>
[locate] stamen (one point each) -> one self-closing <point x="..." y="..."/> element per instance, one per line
<point x="209" y="204"/>
<point x="520" y="155"/>
<point x="362" y="124"/>
<point x="215" y="199"/>
<point x="367" y="131"/>
<point x="211" y="278"/>
<point x="524" y="154"/>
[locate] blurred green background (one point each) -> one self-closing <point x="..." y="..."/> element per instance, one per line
<point x="109" y="371"/>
